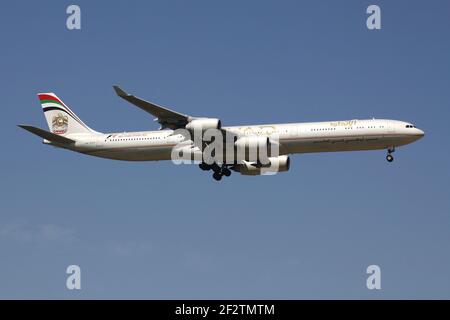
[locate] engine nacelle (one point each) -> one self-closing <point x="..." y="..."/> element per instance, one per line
<point x="203" y="124"/>
<point x="277" y="164"/>
<point x="252" y="148"/>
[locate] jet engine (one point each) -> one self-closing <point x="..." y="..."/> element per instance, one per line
<point x="203" y="124"/>
<point x="277" y="164"/>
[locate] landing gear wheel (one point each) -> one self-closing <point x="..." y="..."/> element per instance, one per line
<point x="389" y="158"/>
<point x="217" y="176"/>
<point x="226" y="172"/>
<point x="204" y="166"/>
<point x="215" y="167"/>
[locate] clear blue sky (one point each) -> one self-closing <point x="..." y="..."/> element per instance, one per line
<point x="155" y="230"/>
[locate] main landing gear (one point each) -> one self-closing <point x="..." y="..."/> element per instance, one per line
<point x="219" y="171"/>
<point x="389" y="156"/>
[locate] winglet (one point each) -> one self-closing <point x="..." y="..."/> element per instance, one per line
<point x="120" y="92"/>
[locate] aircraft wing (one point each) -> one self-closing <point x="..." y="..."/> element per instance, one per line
<point x="166" y="117"/>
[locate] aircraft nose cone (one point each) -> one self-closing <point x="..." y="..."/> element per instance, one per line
<point x="420" y="133"/>
<point x="417" y="134"/>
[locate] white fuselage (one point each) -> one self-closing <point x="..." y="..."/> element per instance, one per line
<point x="349" y="135"/>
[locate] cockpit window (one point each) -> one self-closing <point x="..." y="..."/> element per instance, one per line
<point x="410" y="126"/>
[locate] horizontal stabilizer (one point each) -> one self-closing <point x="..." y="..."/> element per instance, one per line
<point x="47" y="135"/>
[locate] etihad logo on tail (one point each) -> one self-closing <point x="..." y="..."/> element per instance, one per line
<point x="60" y="123"/>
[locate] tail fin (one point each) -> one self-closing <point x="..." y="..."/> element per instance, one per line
<point x="60" y="119"/>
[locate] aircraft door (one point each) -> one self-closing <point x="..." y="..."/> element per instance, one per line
<point x="391" y="127"/>
<point x="100" y="141"/>
<point x="293" y="131"/>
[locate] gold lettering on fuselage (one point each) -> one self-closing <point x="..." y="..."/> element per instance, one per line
<point x="265" y="130"/>
<point x="348" y="123"/>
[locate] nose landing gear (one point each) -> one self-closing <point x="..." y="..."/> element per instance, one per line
<point x="389" y="156"/>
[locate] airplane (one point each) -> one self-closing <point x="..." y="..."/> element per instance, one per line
<point x="69" y="132"/>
